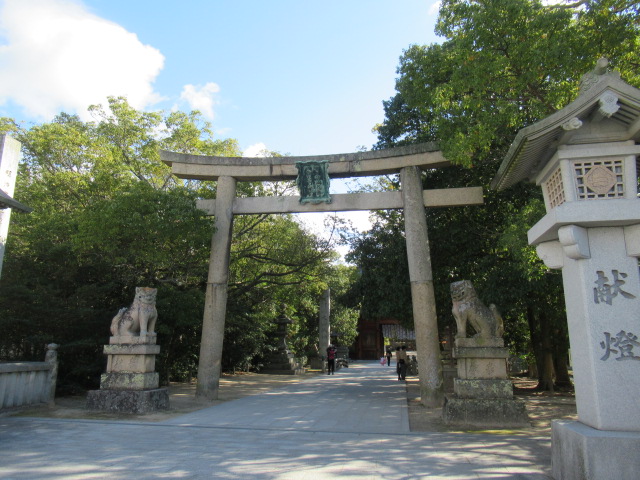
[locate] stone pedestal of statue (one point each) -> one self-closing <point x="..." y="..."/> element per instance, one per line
<point x="482" y="393"/>
<point x="130" y="384"/>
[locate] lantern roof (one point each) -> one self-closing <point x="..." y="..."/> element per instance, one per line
<point x="607" y="109"/>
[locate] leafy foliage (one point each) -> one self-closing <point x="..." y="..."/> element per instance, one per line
<point x="109" y="216"/>
<point x="504" y="64"/>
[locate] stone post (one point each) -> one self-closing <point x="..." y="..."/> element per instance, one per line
<point x="594" y="238"/>
<point x="9" y="158"/>
<point x="585" y="158"/>
<point x="216" y="295"/>
<point x="422" y="294"/>
<point x="324" y="326"/>
<point x="51" y="357"/>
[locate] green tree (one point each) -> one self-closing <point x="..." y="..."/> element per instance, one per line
<point x="503" y="65"/>
<point x="109" y="216"/>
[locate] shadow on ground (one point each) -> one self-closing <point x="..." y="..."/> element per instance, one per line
<point x="542" y="407"/>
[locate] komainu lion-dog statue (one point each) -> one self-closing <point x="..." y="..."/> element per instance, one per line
<point x="469" y="309"/>
<point x="140" y="318"/>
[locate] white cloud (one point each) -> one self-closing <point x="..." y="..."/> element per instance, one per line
<point x="435" y="8"/>
<point x="56" y="56"/>
<point x="255" y="150"/>
<point x="201" y="98"/>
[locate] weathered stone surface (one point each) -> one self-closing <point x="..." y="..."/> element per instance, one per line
<point x="128" y="401"/>
<point x="468" y="309"/>
<point x="215" y="306"/>
<point x="324" y="326"/>
<point x="485" y="413"/>
<point x="376" y="162"/>
<point x="449" y="197"/>
<point x="449" y="374"/>
<point x="131" y="349"/>
<point x="131" y="363"/>
<point x="283" y="363"/>
<point x="483" y="388"/>
<point x="474" y="342"/>
<point x="132" y="339"/>
<point x="481" y="352"/>
<point x="482" y="367"/>
<point x="422" y="289"/>
<point x="140" y="318"/>
<point x="29" y="383"/>
<point x="580" y="452"/>
<point x="129" y="381"/>
<point x="482" y="393"/>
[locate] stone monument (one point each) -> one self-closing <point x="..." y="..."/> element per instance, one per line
<point x="482" y="393"/>
<point x="318" y="361"/>
<point x="282" y="361"/>
<point x="130" y="384"/>
<point x="585" y="158"/>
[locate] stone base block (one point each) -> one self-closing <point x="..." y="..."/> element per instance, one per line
<point x="122" y="401"/>
<point x="580" y="452"/>
<point x="484" y="413"/>
<point x="483" y="388"/>
<point x="132" y="340"/>
<point x="283" y="363"/>
<point x="131" y="363"/>
<point x="481" y="362"/>
<point x="316" y="363"/>
<point x="141" y="349"/>
<point x="479" y="342"/>
<point x="129" y="381"/>
<point x="449" y="375"/>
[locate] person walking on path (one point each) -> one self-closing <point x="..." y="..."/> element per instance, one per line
<point x="331" y="360"/>
<point x="401" y="362"/>
<point x="388" y="355"/>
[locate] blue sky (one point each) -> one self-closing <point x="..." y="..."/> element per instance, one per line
<point x="298" y="77"/>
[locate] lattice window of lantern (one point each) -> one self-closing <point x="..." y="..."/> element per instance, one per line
<point x="555" y="190"/>
<point x="599" y="179"/>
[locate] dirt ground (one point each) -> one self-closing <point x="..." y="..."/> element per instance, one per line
<point x="182" y="399"/>
<point x="542" y="407"/>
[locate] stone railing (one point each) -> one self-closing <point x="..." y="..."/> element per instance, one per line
<point x="29" y="383"/>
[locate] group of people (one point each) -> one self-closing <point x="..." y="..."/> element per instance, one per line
<point x="401" y="361"/>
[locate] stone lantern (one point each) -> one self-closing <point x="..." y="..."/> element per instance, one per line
<point x="282" y="361"/>
<point x="585" y="158"/>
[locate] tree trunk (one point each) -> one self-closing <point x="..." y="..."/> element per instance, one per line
<point x="561" y="357"/>
<point x="547" y="372"/>
<point x="534" y="363"/>
<point x="541" y="343"/>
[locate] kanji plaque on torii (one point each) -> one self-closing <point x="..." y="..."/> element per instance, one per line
<point x="313" y="182"/>
<point x="408" y="161"/>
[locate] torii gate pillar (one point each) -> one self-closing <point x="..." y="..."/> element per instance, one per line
<point x="215" y="306"/>
<point x="422" y="295"/>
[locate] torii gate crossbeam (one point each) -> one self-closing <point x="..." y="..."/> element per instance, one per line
<point x="408" y="161"/>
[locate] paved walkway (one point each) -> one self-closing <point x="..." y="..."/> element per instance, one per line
<point x="351" y="425"/>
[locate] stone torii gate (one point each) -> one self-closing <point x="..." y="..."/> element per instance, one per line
<point x="408" y="161"/>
